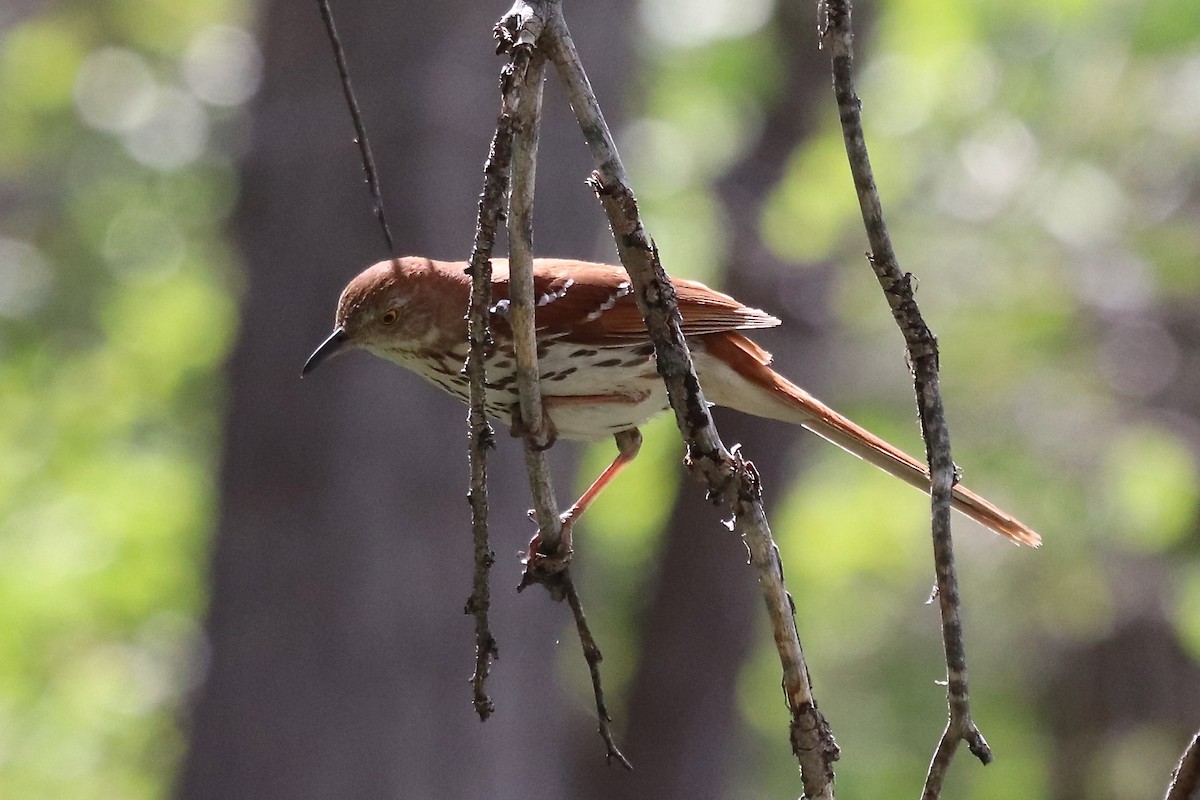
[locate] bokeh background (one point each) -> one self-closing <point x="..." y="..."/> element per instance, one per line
<point x="219" y="582"/>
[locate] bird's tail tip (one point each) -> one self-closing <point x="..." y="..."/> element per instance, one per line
<point x="994" y="518"/>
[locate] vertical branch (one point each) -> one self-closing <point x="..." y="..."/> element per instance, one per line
<point x="480" y="434"/>
<point x="519" y="31"/>
<point x="729" y="477"/>
<point x="923" y="357"/>
<point x="522" y="88"/>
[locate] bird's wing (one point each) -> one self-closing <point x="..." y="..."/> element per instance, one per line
<point x="593" y="304"/>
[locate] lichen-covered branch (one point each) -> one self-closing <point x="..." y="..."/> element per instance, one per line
<point x="521" y="85"/>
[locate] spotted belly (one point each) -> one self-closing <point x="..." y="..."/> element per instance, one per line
<point x="589" y="393"/>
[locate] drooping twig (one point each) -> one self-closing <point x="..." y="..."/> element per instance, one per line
<point x="481" y="436"/>
<point x="591" y="653"/>
<point x="1185" y="780"/>
<point x="729" y="478"/>
<point x="364" y="147"/>
<point x="923" y="358"/>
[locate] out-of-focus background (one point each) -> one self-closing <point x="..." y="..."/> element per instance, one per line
<point x="219" y="582"/>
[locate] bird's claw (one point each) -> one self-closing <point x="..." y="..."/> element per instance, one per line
<point x="541" y="439"/>
<point x="546" y="564"/>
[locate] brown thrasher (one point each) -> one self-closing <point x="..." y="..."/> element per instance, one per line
<point x="598" y="376"/>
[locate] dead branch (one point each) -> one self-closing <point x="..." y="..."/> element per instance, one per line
<point x="360" y="130"/>
<point x="481" y="435"/>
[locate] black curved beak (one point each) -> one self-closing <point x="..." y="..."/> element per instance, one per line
<point x="329" y="348"/>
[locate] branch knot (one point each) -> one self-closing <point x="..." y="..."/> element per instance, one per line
<point x="520" y="27"/>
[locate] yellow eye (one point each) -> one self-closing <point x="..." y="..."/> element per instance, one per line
<point x="389" y="316"/>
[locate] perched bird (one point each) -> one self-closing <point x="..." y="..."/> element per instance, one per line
<point x="597" y="367"/>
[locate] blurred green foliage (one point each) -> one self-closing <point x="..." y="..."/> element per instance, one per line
<point x="1038" y="167"/>
<point x="116" y="312"/>
<point x="1037" y="164"/>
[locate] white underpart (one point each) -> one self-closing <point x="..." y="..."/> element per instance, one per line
<point x="724" y="387"/>
<point x="628" y="399"/>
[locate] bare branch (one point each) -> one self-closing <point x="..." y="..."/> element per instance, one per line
<point x="591" y="653"/>
<point x="729" y="478"/>
<point x="481" y="436"/>
<point x="923" y="357"/>
<point x="1185" y="780"/>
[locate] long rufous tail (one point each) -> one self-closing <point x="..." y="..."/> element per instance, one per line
<point x="780" y="399"/>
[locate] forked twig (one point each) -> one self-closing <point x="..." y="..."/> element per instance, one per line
<point x="591" y="653"/>
<point x="923" y="358"/>
<point x="364" y="147"/>
<point x="481" y="437"/>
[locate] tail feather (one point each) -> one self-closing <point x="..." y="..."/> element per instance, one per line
<point x="780" y="399"/>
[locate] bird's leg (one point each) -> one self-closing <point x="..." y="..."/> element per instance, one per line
<point x="539" y="440"/>
<point x="628" y="444"/>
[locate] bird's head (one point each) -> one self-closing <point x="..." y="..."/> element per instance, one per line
<point x="373" y="312"/>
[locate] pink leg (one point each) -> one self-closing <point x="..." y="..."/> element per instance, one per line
<point x="628" y="443"/>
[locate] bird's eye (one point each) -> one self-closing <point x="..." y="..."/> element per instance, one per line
<point x="389" y="316"/>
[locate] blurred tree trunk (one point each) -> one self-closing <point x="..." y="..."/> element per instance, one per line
<point x="1139" y="677"/>
<point x="684" y="732"/>
<point x="338" y="652"/>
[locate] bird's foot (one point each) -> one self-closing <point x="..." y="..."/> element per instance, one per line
<point x="540" y="439"/>
<point x="547" y="563"/>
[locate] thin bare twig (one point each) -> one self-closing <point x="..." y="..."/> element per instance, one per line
<point x="364" y="147"/>
<point x="1185" y="780"/>
<point x="923" y="358"/>
<point x="481" y="435"/>
<point x="729" y="478"/>
<point x="591" y="653"/>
